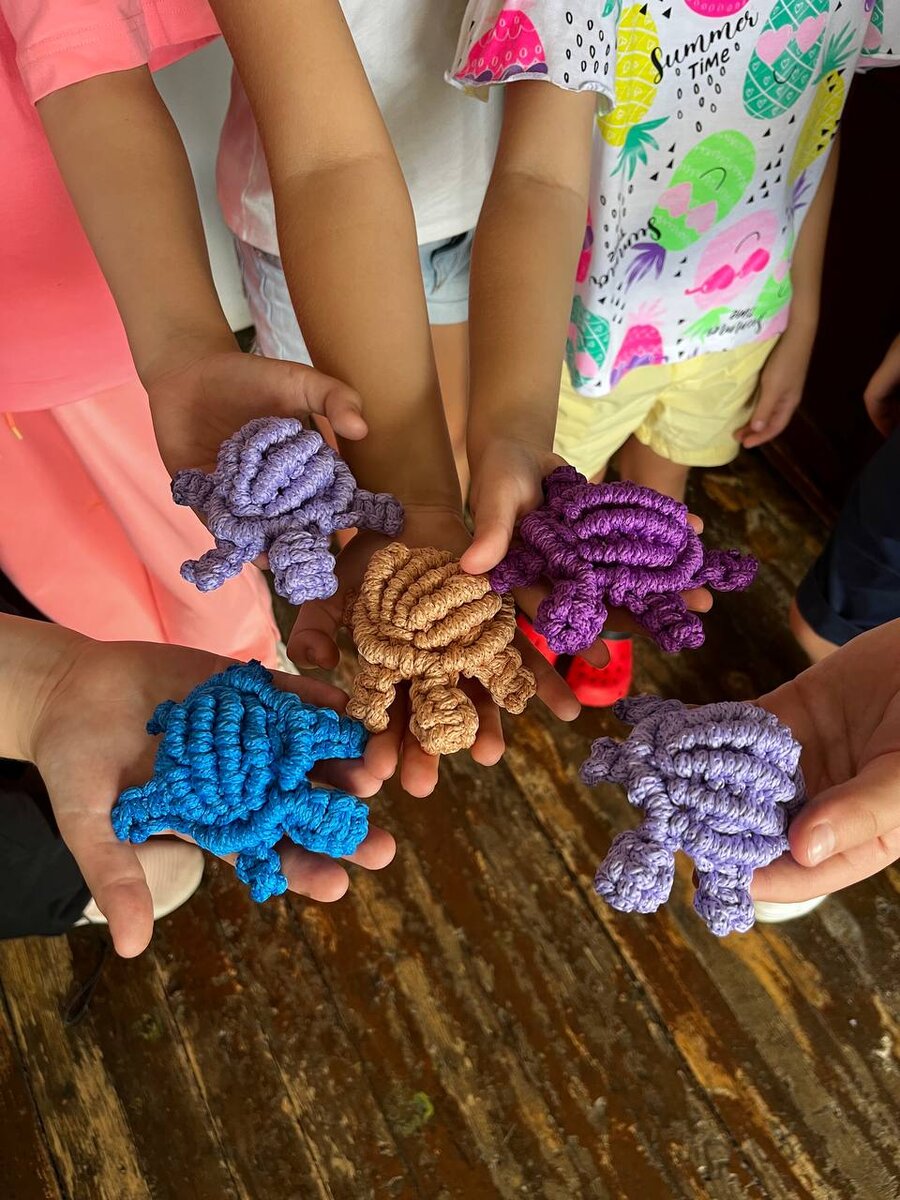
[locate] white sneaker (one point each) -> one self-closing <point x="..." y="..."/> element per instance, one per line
<point x="770" y="912"/>
<point x="284" y="663"/>
<point x="173" y="870"/>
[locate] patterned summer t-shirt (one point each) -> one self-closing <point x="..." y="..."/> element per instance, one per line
<point x="724" y="115"/>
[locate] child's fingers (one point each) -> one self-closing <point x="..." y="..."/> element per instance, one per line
<point x="111" y="870"/>
<point x="698" y="600"/>
<point x="864" y="809"/>
<point x="786" y="881"/>
<point x="489" y="744"/>
<point x="293" y="389"/>
<point x="312" y="642"/>
<point x="552" y="689"/>
<point x="886" y="379"/>
<point x="312" y="875"/>
<point x="418" y="769"/>
<point x="376" y="852"/>
<point x="312" y="690"/>
<point x="348" y="775"/>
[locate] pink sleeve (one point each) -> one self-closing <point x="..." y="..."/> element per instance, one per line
<point x="59" y="42"/>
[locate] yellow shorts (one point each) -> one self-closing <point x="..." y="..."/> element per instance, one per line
<point x="688" y="412"/>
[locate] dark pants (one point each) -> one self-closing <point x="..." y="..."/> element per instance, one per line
<point x="854" y="585"/>
<point x="41" y="888"/>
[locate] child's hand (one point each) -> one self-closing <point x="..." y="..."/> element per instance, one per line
<point x="882" y="396"/>
<point x="313" y="643"/>
<point x="202" y="394"/>
<point x="89" y="743"/>
<point x="781" y="384"/>
<point x="506" y="484"/>
<point x="845" y="711"/>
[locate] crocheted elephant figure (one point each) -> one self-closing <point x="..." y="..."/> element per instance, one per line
<point x="614" y="545"/>
<point x="278" y="489"/>
<point x="720" y="782"/>
<point x="419" y="617"/>
<point x="232" y="770"/>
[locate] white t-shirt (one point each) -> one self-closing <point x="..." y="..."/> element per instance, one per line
<point x="724" y="116"/>
<point x="445" y="142"/>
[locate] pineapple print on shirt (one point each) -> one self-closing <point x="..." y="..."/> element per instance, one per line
<point x="785" y="57"/>
<point x="704" y="170"/>
<point x="822" y="121"/>
<point x="636" y="83"/>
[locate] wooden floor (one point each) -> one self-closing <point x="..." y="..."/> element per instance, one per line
<point x="474" y="1022"/>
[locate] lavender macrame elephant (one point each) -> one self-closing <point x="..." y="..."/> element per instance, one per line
<point x="720" y="782"/>
<point x="278" y="489"/>
<point x="615" y="545"/>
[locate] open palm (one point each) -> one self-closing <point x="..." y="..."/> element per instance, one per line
<point x="90" y="743"/>
<point x="845" y="712"/>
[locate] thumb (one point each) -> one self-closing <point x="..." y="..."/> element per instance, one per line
<point x="111" y="869"/>
<point x="850" y="814"/>
<point x="292" y="389"/>
<point x="494" y="519"/>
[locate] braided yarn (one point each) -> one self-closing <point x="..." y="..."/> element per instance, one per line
<point x="231" y="772"/>
<point x="720" y="782"/>
<point x="278" y="489"/>
<point x="418" y="617"/>
<point x="603" y="545"/>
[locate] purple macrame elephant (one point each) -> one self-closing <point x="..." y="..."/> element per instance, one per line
<point x="279" y="490"/>
<point x="720" y="782"/>
<point x="602" y="545"/>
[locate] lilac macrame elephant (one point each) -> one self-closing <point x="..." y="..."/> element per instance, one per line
<point x="278" y="489"/>
<point x="720" y="782"/>
<point x="615" y="545"/>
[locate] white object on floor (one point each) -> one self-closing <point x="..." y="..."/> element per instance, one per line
<point x="769" y="912"/>
<point x="173" y="870"/>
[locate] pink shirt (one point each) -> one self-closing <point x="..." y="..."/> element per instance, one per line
<point x="61" y="338"/>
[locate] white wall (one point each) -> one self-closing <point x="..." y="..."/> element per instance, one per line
<point x="196" y="91"/>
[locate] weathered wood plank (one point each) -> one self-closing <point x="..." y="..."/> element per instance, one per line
<point x="25" y="1163"/>
<point x="502" y="994"/>
<point x="85" y="1124"/>
<point x="324" y="1081"/>
<point x="243" y="1089"/>
<point x="130" y="1024"/>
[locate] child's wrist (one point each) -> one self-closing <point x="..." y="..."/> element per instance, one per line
<point x="180" y="348"/>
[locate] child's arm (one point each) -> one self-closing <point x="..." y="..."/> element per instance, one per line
<point x="78" y="710"/>
<point x="784" y="375"/>
<point x="882" y="395"/>
<point x="124" y="164"/>
<point x="523" y="271"/>
<point x="347" y="236"/>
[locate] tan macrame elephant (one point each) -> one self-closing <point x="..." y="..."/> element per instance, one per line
<point x="418" y="617"/>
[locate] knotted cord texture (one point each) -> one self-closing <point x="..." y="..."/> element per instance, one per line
<point x="419" y="618"/>
<point x="720" y="782"/>
<point x="232" y="770"/>
<point x="615" y="545"/>
<point x="278" y="489"/>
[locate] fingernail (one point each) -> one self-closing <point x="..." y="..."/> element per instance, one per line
<point x="757" y="425"/>
<point x="821" y="843"/>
